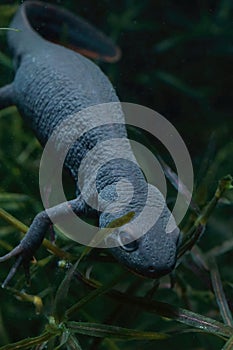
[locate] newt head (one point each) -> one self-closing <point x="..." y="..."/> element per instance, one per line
<point x="146" y="245"/>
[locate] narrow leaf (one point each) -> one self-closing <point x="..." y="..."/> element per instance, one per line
<point x="198" y="227"/>
<point x="179" y="84"/>
<point x="62" y="292"/>
<point x="229" y="344"/>
<point x="181" y="315"/>
<point x="64" y="340"/>
<point x="92" y="295"/>
<point x="223" y="248"/>
<point x="73" y="343"/>
<point x="13" y="29"/>
<point x="15" y="197"/>
<point x="178" y="185"/>
<point x="28" y="343"/>
<point x="219" y="293"/>
<point x="108" y="331"/>
<point x="23" y="228"/>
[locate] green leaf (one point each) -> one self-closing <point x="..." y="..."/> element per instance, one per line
<point x="124" y="219"/>
<point x="73" y="343"/>
<point x="108" y="331"/>
<point x="13" y="29"/>
<point x="14" y="197"/>
<point x="229" y="344"/>
<point x="28" y="343"/>
<point x="180" y="85"/>
<point x="64" y="339"/>
<point x="171" y="42"/>
<point x="92" y="295"/>
<point x="219" y="293"/>
<point x="220" y="249"/>
<point x="13" y="221"/>
<point x="191" y="237"/>
<point x="23" y="228"/>
<point x="62" y="292"/>
<point x="184" y="316"/>
<point x="178" y="314"/>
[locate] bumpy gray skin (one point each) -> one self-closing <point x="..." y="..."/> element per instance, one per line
<point x="51" y="84"/>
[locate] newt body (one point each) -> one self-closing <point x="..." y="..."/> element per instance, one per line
<point x="52" y="83"/>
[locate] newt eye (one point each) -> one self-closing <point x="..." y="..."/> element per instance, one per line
<point x="124" y="237"/>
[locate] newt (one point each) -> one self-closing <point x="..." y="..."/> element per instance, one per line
<point x="53" y="82"/>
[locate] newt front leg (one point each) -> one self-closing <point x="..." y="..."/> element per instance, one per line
<point x="36" y="233"/>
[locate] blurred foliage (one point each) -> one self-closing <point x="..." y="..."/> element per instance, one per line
<point x="177" y="60"/>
